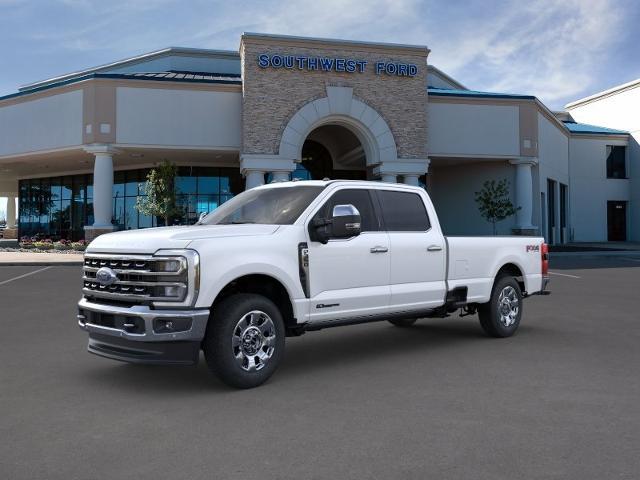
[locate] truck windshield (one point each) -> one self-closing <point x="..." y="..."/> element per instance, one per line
<point x="271" y="206"/>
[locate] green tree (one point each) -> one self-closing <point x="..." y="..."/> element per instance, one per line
<point x="494" y="203"/>
<point x="160" y="194"/>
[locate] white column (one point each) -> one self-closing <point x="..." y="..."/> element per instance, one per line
<point x="254" y="178"/>
<point x="412" y="180"/>
<point x="389" y="178"/>
<point x="11" y="212"/>
<point x="409" y="168"/>
<point x="280" y="176"/>
<point x="102" y="186"/>
<point x="253" y="167"/>
<point x="524" y="192"/>
<point x="102" y="190"/>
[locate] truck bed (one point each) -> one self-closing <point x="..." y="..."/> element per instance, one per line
<point x="474" y="262"/>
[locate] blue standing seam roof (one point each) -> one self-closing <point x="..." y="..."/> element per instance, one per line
<point x="451" y="92"/>
<point x="229" y="79"/>
<point x="586" y="129"/>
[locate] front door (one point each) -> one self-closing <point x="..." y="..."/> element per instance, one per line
<point x="617" y="221"/>
<point x="348" y="277"/>
<point x="418" y="260"/>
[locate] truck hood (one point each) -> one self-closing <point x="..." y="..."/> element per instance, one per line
<point x="150" y="240"/>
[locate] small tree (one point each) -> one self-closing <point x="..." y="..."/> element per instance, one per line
<point x="160" y="199"/>
<point x="494" y="203"/>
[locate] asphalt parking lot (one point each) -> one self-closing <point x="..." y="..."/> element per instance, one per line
<point x="561" y="399"/>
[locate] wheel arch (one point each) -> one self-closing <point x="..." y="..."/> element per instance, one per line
<point x="512" y="269"/>
<point x="260" y="284"/>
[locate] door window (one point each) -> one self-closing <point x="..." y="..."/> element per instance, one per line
<point x="361" y="199"/>
<point x="403" y="211"/>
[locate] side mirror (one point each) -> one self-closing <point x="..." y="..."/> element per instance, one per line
<point x="345" y="221"/>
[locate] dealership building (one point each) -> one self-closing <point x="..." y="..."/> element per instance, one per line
<point x="75" y="149"/>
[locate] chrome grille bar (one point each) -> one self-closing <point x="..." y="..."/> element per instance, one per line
<point x="140" y="278"/>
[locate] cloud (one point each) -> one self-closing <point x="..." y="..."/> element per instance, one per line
<point x="555" y="49"/>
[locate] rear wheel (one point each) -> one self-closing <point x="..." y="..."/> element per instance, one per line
<point x="500" y="317"/>
<point x="244" y="342"/>
<point x="404" y="322"/>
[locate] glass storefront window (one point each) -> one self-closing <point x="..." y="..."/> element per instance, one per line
<point x="60" y="207"/>
<point x="118" y="184"/>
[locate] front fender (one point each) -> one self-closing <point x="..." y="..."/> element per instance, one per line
<point x="212" y="283"/>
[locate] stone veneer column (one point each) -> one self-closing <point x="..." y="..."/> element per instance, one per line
<point x="102" y="190"/>
<point x="524" y="196"/>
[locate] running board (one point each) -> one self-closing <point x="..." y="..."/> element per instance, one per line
<point x="341" y="322"/>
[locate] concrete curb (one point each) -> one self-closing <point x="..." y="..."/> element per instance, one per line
<point x="41" y="264"/>
<point x="615" y="253"/>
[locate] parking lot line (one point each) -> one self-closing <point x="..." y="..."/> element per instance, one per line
<point x="564" y="275"/>
<point x="25" y="275"/>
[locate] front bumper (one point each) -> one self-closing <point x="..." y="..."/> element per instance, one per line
<point x="139" y="334"/>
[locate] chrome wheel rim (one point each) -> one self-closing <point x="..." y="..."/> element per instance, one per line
<point x="253" y="341"/>
<point x="508" y="306"/>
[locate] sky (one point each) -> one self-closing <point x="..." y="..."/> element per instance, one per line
<point x="558" y="50"/>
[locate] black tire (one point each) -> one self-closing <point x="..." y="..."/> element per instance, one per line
<point x="493" y="318"/>
<point x="403" y="322"/>
<point x="236" y="342"/>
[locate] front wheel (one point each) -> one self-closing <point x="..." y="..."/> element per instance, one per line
<point x="244" y="342"/>
<point x="500" y="317"/>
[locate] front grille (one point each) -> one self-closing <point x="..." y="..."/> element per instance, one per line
<point x="135" y="279"/>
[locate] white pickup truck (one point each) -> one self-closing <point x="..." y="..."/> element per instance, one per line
<point x="286" y="258"/>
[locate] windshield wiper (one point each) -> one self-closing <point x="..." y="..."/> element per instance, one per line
<point x="236" y="222"/>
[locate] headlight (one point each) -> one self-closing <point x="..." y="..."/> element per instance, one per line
<point x="178" y="278"/>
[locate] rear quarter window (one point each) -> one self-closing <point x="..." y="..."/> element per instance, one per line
<point x="403" y="211"/>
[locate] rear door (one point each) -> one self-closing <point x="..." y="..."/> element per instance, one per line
<point x="350" y="277"/>
<point x="418" y="260"/>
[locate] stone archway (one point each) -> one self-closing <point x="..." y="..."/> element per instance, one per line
<point x="339" y="107"/>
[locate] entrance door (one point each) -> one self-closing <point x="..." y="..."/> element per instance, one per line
<point x="617" y="221"/>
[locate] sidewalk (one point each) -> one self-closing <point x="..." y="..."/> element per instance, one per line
<point x="604" y="249"/>
<point x="34" y="259"/>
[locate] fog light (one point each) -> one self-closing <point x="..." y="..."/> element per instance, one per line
<point x="171" y="325"/>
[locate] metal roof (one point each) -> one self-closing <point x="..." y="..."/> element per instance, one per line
<point x="585" y="128"/>
<point x="450" y="92"/>
<point x="186" y="77"/>
<point x="174" y="75"/>
<point x="135" y="60"/>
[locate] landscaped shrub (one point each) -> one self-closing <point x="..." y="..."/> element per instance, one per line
<point x="43" y="245"/>
<point x="80" y="245"/>
<point x="62" y="245"/>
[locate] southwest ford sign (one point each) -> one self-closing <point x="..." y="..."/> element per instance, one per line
<point x="341" y="65"/>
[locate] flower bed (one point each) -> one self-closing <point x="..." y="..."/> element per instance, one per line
<point x="45" y="245"/>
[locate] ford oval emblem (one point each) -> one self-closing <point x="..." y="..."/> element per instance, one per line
<point x="105" y="276"/>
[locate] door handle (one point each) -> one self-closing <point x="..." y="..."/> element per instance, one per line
<point x="379" y="249"/>
<point x="434" y="248"/>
